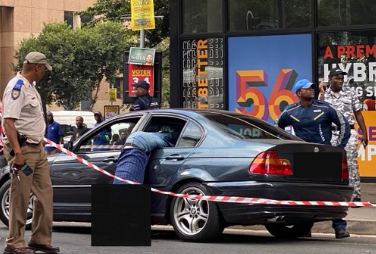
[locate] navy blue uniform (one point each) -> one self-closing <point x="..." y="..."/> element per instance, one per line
<point x="314" y="123"/>
<point x="145" y="102"/>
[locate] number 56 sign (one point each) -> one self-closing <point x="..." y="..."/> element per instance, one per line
<point x="249" y="97"/>
<point x="140" y="72"/>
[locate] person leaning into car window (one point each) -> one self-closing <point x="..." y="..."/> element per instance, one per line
<point x="136" y="152"/>
<point x="312" y="121"/>
<point x="25" y="127"/>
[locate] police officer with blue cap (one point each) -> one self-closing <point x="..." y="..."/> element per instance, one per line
<point x="144" y="99"/>
<point x="312" y="121"/>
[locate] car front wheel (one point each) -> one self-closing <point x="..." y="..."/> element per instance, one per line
<point x="195" y="220"/>
<point x="290" y="231"/>
<point x="4" y="210"/>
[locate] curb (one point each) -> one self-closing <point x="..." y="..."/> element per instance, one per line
<point x="356" y="227"/>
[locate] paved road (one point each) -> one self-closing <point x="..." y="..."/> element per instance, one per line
<point x="75" y="238"/>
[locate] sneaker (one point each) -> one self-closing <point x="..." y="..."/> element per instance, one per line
<point x="341" y="233"/>
<point x="356" y="200"/>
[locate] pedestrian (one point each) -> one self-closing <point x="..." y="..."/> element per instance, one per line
<point x="312" y="121"/>
<point x="144" y="99"/>
<point x="344" y="99"/>
<point x="80" y="130"/>
<point x="25" y="127"/>
<point x="103" y="137"/>
<point x="121" y="141"/>
<point x="135" y="154"/>
<point x="54" y="133"/>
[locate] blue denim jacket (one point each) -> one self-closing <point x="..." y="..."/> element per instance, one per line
<point x="148" y="141"/>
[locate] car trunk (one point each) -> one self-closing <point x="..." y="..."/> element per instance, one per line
<point x="313" y="162"/>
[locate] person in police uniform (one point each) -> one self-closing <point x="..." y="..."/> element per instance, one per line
<point x="345" y="100"/>
<point x="24" y="121"/>
<point x="312" y="121"/>
<point x="144" y="99"/>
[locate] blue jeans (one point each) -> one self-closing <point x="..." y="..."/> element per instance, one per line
<point x="131" y="165"/>
<point x="339" y="223"/>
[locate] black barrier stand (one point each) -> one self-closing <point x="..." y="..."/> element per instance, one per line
<point x="120" y="215"/>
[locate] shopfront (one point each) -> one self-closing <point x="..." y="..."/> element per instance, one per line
<point x="246" y="55"/>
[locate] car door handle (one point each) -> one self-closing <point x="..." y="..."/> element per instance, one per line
<point x="110" y="159"/>
<point x="175" y="157"/>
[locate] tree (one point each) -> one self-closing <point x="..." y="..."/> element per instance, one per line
<point x="81" y="59"/>
<point x="110" y="10"/>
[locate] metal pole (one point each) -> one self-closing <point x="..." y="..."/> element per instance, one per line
<point x="142" y="38"/>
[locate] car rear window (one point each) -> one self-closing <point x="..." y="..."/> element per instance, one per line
<point x="247" y="127"/>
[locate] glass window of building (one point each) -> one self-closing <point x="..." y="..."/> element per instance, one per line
<point x="245" y="15"/>
<point x="355" y="53"/>
<point x="68" y="18"/>
<point x="202" y="16"/>
<point x="346" y="12"/>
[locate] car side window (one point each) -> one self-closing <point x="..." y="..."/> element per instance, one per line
<point x="166" y="124"/>
<point x="110" y="136"/>
<point x="190" y="136"/>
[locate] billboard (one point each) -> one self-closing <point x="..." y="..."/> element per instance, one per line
<point x="262" y="71"/>
<point x="203" y="73"/>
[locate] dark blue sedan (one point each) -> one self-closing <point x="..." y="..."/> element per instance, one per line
<point x="215" y="153"/>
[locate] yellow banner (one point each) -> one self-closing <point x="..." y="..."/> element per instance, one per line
<point x="367" y="155"/>
<point x="142" y="14"/>
<point x="112" y="92"/>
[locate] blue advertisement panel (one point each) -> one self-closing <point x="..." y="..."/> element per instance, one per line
<point x="262" y="71"/>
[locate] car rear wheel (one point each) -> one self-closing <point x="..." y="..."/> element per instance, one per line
<point x="290" y="231"/>
<point x="195" y="220"/>
<point x="4" y="201"/>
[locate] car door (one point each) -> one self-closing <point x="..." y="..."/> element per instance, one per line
<point x="165" y="162"/>
<point x="72" y="179"/>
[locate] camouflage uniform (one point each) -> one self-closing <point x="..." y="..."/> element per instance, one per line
<point x="347" y="102"/>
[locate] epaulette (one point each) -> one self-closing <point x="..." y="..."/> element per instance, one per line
<point x="17" y="89"/>
<point x="292" y="106"/>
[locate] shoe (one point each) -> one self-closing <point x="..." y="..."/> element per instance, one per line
<point x="44" y="248"/>
<point x="21" y="250"/>
<point x="341" y="233"/>
<point x="356" y="200"/>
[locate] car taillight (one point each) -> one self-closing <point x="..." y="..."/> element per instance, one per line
<point x="345" y="169"/>
<point x="269" y="163"/>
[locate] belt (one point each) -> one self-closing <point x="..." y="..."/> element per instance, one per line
<point x="131" y="145"/>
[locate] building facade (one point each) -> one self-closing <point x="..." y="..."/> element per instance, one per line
<point x="246" y="55"/>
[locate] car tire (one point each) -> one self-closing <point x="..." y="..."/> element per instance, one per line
<point x="195" y="220"/>
<point x="290" y="231"/>
<point x="4" y="203"/>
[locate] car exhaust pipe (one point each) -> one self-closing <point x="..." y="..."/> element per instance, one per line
<point x="277" y="219"/>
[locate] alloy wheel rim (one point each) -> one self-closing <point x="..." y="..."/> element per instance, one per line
<point x="5" y="205"/>
<point x="191" y="215"/>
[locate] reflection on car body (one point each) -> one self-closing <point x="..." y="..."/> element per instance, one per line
<point x="215" y="153"/>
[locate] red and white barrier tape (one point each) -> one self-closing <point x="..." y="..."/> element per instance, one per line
<point x="109" y="147"/>
<point x="226" y="199"/>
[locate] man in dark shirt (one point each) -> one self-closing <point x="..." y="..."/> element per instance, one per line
<point x="312" y="121"/>
<point x="144" y="100"/>
<point x="80" y="130"/>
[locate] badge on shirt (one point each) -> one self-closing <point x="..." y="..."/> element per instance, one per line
<point x="17" y="89"/>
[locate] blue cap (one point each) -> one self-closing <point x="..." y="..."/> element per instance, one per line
<point x="141" y="83"/>
<point x="303" y="83"/>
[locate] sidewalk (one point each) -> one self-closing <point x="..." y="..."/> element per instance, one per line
<point x="360" y="221"/>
